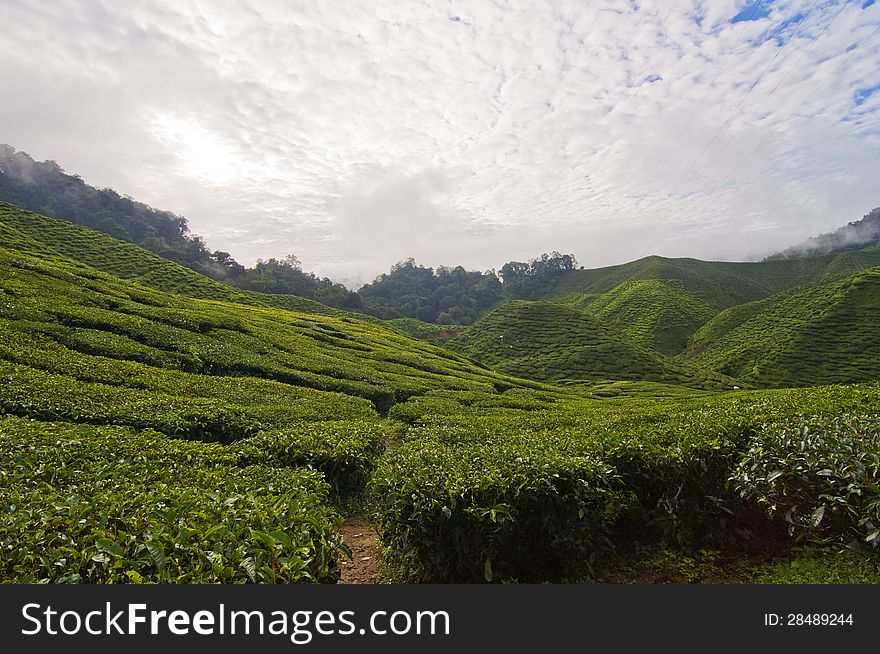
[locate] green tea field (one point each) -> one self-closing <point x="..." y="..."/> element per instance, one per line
<point x="160" y="426"/>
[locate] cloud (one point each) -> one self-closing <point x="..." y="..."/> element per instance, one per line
<point x="466" y="132"/>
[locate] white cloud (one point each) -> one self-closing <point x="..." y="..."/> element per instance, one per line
<point x="459" y="132"/>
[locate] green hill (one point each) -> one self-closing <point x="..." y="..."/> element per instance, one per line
<point x="550" y="342"/>
<point x="41" y="235"/>
<point x="661" y="303"/>
<point x="659" y="314"/>
<point x="717" y="283"/>
<point x="852" y="236"/>
<point x="256" y="422"/>
<point x="816" y="334"/>
<point x="153" y="325"/>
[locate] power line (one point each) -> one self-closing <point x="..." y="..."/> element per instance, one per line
<point x="743" y="99"/>
<point x="778" y="84"/>
<point x="699" y="106"/>
<point x="816" y="88"/>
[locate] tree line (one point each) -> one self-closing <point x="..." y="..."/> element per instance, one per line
<point x="457" y="296"/>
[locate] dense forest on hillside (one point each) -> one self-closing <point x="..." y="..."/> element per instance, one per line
<point x="449" y="296"/>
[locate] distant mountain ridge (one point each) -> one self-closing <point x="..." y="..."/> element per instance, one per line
<point x="852" y="236"/>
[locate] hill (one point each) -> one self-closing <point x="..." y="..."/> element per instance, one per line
<point x="720" y="284"/>
<point x="258" y="423"/>
<point x="816" y="334"/>
<point x="75" y="312"/>
<point x="40" y="235"/>
<point x="656" y="313"/>
<point x="45" y="188"/>
<point x="661" y="303"/>
<point x="154" y="436"/>
<point x="550" y="342"/>
<point x="852" y="236"/>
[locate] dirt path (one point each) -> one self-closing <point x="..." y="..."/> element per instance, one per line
<point x="363" y="540"/>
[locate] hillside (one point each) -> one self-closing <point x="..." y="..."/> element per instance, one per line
<point x="817" y="334"/>
<point x="550" y="342"/>
<point x="656" y="313"/>
<point x="45" y="188"/>
<point x="172" y="438"/>
<point x="40" y="235"/>
<point x="258" y="423"/>
<point x="661" y="303"/>
<point x="62" y="322"/>
<point x="720" y="284"/>
<point x="852" y="236"/>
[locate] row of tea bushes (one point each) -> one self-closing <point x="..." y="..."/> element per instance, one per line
<point x="666" y="468"/>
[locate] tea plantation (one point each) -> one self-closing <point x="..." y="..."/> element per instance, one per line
<point x="552" y="342"/>
<point x="158" y="426"/>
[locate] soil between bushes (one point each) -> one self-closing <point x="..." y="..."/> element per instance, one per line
<point x="363" y="539"/>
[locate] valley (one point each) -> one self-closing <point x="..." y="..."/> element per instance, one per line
<point x="663" y="420"/>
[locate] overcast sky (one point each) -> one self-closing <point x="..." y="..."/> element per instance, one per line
<point x="356" y="134"/>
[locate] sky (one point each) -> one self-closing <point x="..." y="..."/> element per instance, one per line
<point x="359" y="134"/>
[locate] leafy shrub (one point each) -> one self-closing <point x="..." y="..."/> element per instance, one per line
<point x="32" y="393"/>
<point x="110" y="505"/>
<point x="344" y="451"/>
<point x="509" y="508"/>
<point x="821" y="475"/>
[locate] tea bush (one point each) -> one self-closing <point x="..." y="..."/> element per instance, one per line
<point x="666" y="466"/>
<point x="113" y="505"/>
<point x="345" y="452"/>
<point x="509" y="508"/>
<point x="821" y="475"/>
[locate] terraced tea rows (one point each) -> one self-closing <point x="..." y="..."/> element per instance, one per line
<point x="150" y="436"/>
<point x="43" y="236"/>
<point x="656" y="313"/>
<point x="817" y="334"/>
<point x="541" y="340"/>
<point x="112" y="505"/>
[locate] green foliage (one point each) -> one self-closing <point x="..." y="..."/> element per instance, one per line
<point x="45" y="188"/>
<point x="436" y="334"/>
<point x="112" y="505"/>
<point x="447" y="296"/>
<point x="551" y="342"/>
<point x="718" y="283"/>
<point x="656" y="313"/>
<point x="491" y="510"/>
<point x="665" y="463"/>
<point x="819" y="334"/>
<point x="528" y="281"/>
<point x="284" y="276"/>
<point x="477" y="475"/>
<point x="73" y="321"/>
<point x="345" y="452"/>
<point x="821" y="475"/>
<point x="32" y="393"/>
<point x="822" y="567"/>
<point x="661" y="564"/>
<point x="43" y="237"/>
